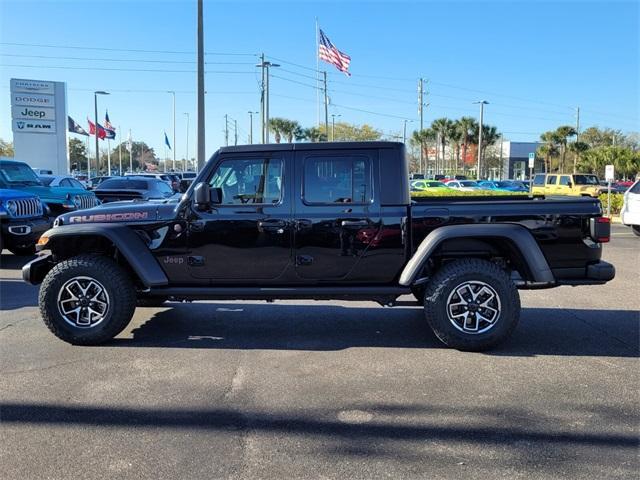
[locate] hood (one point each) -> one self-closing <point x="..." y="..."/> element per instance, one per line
<point x="9" y="194"/>
<point x="121" y="212"/>
<point x="53" y="194"/>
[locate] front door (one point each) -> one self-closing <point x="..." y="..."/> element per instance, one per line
<point x="336" y="214"/>
<point x="248" y="237"/>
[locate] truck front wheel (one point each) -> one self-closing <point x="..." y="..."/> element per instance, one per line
<point x="471" y="304"/>
<point x="87" y="300"/>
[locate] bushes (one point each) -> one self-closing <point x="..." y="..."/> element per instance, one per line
<point x="450" y="192"/>
<point x="616" y="202"/>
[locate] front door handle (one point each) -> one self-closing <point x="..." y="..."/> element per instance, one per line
<point x="354" y="223"/>
<point x="272" y="226"/>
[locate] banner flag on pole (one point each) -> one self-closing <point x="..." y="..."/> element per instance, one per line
<point x="166" y="140"/>
<point x="328" y="52"/>
<point x="102" y="133"/>
<point x="110" y="129"/>
<point x="75" y="127"/>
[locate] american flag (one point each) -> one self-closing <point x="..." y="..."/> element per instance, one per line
<point x="107" y="123"/>
<point x="328" y="52"/>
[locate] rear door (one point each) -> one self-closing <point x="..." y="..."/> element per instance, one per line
<point x="550" y="186"/>
<point x="336" y="213"/>
<point x="248" y="237"/>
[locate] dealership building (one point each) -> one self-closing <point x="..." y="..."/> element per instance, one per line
<point x="515" y="157"/>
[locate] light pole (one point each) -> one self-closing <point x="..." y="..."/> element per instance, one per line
<point x="404" y="130"/>
<point x="186" y="158"/>
<point x="95" y="104"/>
<point x="251" y="126"/>
<point x="333" y="126"/>
<point x="265" y="65"/>
<point x="482" y="104"/>
<point x="174" y="127"/>
<point x="200" y="84"/>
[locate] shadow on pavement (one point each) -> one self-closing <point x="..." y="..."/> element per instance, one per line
<point x="542" y="331"/>
<point x="14" y="262"/>
<point x="15" y="294"/>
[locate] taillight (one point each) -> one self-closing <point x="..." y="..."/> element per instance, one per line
<point x="600" y="229"/>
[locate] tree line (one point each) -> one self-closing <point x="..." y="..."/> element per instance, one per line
<point x="565" y="150"/>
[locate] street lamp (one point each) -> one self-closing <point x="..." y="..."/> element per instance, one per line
<point x="333" y="126"/>
<point x="95" y="104"/>
<point x="482" y="104"/>
<point x="186" y="158"/>
<point x="251" y="113"/>
<point x="174" y="128"/>
<point x="404" y="130"/>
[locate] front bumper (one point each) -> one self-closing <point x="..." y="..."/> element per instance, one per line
<point x="35" y="271"/>
<point x="23" y="233"/>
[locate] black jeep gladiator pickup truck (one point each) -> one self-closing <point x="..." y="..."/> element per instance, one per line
<point x="316" y="221"/>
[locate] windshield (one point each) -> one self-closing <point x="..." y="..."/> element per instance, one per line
<point x="123" y="184"/>
<point x="468" y="183"/>
<point x="46" y="180"/>
<point x="586" y="180"/>
<point x="18" y="173"/>
<point x="435" y="184"/>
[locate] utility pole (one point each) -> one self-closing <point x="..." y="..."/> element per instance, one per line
<point x="575" y="159"/>
<point x="501" y="165"/>
<point x="200" y="90"/>
<point x="186" y="158"/>
<point x="264" y="99"/>
<point x="421" y="113"/>
<point x="333" y="126"/>
<point x="235" y="132"/>
<point x="251" y="127"/>
<point x="226" y="130"/>
<point x="404" y="132"/>
<point x="482" y="104"/>
<point x="326" y="104"/>
<point x="262" y="130"/>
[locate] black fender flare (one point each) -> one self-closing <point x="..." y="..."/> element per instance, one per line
<point x="517" y="234"/>
<point x="128" y="243"/>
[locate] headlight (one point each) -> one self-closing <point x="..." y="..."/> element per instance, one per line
<point x="77" y="201"/>
<point x="12" y="208"/>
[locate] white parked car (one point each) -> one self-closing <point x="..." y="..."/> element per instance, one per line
<point x="66" y="181"/>
<point x="163" y="177"/>
<point x="463" y="185"/>
<point x="630" y="213"/>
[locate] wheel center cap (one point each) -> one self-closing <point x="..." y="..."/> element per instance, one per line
<point x="473" y="307"/>
<point x="84" y="302"/>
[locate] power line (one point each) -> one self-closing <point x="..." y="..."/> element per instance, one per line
<point x="106" y="49"/>
<point x="121" y="59"/>
<point x="122" y="69"/>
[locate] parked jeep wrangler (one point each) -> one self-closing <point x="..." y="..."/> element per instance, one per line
<point x="316" y="221"/>
<point x="22" y="221"/>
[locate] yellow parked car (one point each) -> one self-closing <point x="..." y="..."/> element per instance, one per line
<point x="578" y="184"/>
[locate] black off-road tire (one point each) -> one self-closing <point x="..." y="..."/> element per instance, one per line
<point x="151" y="302"/>
<point x="23" y="251"/>
<point x="115" y="280"/>
<point x="451" y="276"/>
<point x="636" y="229"/>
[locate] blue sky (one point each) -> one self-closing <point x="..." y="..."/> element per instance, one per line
<point x="533" y="61"/>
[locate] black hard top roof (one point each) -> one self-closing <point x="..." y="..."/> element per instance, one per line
<point x="275" y="147"/>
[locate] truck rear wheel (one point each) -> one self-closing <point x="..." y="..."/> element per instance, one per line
<point x="472" y="304"/>
<point x="87" y="300"/>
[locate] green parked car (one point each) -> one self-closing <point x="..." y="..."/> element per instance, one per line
<point x="19" y="176"/>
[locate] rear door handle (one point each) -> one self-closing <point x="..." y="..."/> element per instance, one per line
<point x="272" y="223"/>
<point x="354" y="223"/>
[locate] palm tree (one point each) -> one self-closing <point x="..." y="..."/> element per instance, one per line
<point x="290" y="129"/>
<point x="423" y="138"/>
<point x="455" y="138"/>
<point x="313" y="134"/>
<point x="490" y="136"/>
<point x="577" y="148"/>
<point x="466" y="126"/>
<point x="563" y="133"/>
<point x="278" y="126"/>
<point x="549" y="149"/>
<point x="443" y="128"/>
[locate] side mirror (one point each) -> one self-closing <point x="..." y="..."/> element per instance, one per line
<point x="569" y="184"/>
<point x="205" y="196"/>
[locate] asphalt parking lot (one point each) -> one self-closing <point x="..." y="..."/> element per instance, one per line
<point x="326" y="390"/>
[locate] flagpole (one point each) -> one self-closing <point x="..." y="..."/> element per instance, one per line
<point x="109" y="157"/>
<point x="88" y="161"/>
<point x="317" y="73"/>
<point x="120" y="154"/>
<point x="130" y="152"/>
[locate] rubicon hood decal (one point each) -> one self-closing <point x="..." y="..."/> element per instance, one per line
<point x="109" y="217"/>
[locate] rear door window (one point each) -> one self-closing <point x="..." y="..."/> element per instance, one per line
<point x="339" y="179"/>
<point x="551" y="179"/>
<point x="565" y="180"/>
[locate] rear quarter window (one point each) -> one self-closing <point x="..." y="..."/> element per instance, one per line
<point x="635" y="188"/>
<point x="538" y="180"/>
